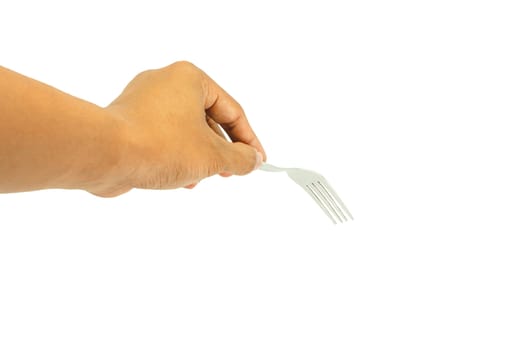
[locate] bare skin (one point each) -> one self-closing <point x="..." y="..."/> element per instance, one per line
<point x="162" y="132"/>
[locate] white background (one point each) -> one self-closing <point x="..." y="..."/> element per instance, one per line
<point x="414" y="110"/>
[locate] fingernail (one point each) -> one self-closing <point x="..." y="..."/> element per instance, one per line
<point x="259" y="160"/>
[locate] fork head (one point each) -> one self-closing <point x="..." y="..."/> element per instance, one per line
<point x="322" y="193"/>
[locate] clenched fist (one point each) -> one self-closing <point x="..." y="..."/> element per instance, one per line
<point x="173" y="118"/>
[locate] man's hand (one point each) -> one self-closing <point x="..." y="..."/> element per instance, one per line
<point x="171" y="117"/>
<point x="163" y="131"/>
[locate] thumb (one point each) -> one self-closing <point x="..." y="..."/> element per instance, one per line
<point x="239" y="158"/>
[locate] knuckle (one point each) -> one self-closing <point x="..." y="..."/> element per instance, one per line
<point x="183" y="66"/>
<point x="185" y="69"/>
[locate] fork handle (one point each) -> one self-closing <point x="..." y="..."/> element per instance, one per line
<point x="269" y="167"/>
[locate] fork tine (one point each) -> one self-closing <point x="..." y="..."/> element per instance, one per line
<point x="327" y="200"/>
<point x="336" y="208"/>
<point x="327" y="187"/>
<point x="315" y="197"/>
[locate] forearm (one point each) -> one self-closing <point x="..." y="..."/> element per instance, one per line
<point x="49" y="139"/>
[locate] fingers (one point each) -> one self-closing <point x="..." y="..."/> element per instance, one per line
<point x="239" y="158"/>
<point x="224" y="110"/>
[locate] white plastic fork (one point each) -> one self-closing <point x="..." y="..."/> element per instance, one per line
<point x="318" y="188"/>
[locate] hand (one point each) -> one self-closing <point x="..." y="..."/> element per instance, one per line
<point x="172" y="118"/>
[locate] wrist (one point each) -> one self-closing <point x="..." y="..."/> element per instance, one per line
<point x="108" y="172"/>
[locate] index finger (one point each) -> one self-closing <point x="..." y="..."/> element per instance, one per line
<point x="227" y="112"/>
